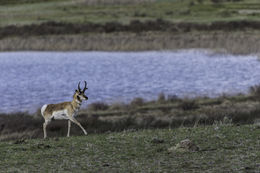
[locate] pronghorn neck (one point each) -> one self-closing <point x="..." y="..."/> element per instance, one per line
<point x="76" y="103"/>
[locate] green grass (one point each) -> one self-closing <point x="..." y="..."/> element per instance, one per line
<point x="79" y="11"/>
<point x="222" y="148"/>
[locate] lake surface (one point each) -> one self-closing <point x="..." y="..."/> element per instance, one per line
<point x="30" y="79"/>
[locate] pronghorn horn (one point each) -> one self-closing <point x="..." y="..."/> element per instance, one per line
<point x="85" y="87"/>
<point x="79" y="87"/>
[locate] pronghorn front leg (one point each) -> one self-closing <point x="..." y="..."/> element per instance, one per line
<point x="76" y="122"/>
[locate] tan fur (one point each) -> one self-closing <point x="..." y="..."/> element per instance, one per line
<point x="70" y="106"/>
<point x="68" y="110"/>
<point x="55" y="107"/>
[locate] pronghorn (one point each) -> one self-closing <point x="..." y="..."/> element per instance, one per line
<point x="64" y="110"/>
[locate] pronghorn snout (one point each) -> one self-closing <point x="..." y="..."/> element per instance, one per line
<point x="83" y="97"/>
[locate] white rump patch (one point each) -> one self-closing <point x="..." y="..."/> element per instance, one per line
<point x="43" y="109"/>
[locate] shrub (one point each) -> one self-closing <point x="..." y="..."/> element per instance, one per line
<point x="216" y="1"/>
<point x="173" y="98"/>
<point x="98" y="106"/>
<point x="118" y="106"/>
<point x="255" y="90"/>
<point x="188" y="105"/>
<point x="161" y="98"/>
<point x="137" y="102"/>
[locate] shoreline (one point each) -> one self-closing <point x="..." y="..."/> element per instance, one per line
<point x="239" y="42"/>
<point x="235" y="37"/>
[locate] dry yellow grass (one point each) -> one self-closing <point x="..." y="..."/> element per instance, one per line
<point x="235" y="42"/>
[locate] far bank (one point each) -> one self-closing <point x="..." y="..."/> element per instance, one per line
<point x="237" y="42"/>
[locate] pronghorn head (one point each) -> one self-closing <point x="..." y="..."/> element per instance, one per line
<point x="80" y="94"/>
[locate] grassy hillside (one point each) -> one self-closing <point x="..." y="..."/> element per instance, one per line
<point x="221" y="148"/>
<point x="135" y="25"/>
<point x="123" y="11"/>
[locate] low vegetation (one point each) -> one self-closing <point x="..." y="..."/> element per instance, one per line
<point x="166" y="112"/>
<point x="223" y="42"/>
<point x="217" y="148"/>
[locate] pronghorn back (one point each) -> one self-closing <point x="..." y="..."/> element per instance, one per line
<point x="48" y="110"/>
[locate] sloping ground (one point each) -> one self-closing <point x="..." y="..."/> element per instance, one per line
<point x="163" y="113"/>
<point x="219" y="148"/>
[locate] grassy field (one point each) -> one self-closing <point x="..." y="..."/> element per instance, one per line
<point x="125" y="25"/>
<point x="124" y="11"/>
<point x="220" y="148"/>
<point x="141" y="136"/>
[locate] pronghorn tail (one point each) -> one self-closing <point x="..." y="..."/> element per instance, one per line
<point x="43" y="109"/>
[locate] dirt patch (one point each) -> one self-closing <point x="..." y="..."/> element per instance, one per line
<point x="184" y="146"/>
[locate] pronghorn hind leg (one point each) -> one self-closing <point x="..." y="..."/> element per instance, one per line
<point x="44" y="128"/>
<point x="69" y="124"/>
<point x="76" y="122"/>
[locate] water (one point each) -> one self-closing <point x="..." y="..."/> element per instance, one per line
<point x="30" y="79"/>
